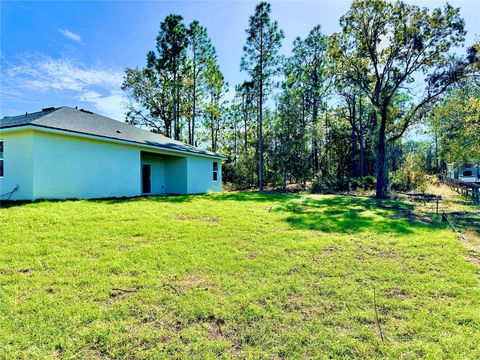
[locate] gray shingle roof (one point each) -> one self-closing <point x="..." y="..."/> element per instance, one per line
<point x="70" y="119"/>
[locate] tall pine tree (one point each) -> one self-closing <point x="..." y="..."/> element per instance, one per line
<point x="201" y="52"/>
<point x="171" y="47"/>
<point x="261" y="60"/>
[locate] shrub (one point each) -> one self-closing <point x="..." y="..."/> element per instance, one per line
<point x="323" y="183"/>
<point x="326" y="183"/>
<point x="354" y="183"/>
<point x="368" y="182"/>
<point x="410" y="175"/>
<point x="434" y="180"/>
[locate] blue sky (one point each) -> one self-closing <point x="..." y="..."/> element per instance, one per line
<point x="74" y="53"/>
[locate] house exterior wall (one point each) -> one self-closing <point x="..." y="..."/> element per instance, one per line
<point x="176" y="175"/>
<point x="464" y="170"/>
<point x="200" y="175"/>
<point x="172" y="174"/>
<point x="158" y="169"/>
<point x="460" y="172"/>
<point x="74" y="167"/>
<point x="18" y="164"/>
<point x="54" y="165"/>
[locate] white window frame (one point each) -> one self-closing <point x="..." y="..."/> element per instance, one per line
<point x="215" y="172"/>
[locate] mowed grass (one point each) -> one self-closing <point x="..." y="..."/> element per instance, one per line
<point x="233" y="275"/>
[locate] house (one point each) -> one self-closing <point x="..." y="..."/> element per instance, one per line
<point x="468" y="172"/>
<point x="62" y="153"/>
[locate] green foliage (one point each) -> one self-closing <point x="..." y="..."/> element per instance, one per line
<point x="261" y="60"/>
<point x="321" y="184"/>
<point x="325" y="184"/>
<point x="455" y="120"/>
<point x="386" y="45"/>
<point x="170" y="93"/>
<point x="410" y="175"/>
<point x="214" y="111"/>
<point x="171" y="46"/>
<point x="261" y="51"/>
<point x="343" y="101"/>
<point x="257" y="276"/>
<point x="366" y="183"/>
<point x="201" y="59"/>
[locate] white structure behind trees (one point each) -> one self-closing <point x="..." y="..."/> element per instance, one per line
<point x="467" y="172"/>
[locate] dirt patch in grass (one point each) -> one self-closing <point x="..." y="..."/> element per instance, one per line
<point x="474" y="257"/>
<point x="192" y="282"/>
<point x="195" y="282"/>
<point x="204" y="218"/>
<point x="117" y="294"/>
<point x="214" y="327"/>
<point x="364" y="252"/>
<point x="330" y="249"/>
<point x="398" y="293"/>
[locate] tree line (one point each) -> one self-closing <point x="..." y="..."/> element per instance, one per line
<point x="331" y="114"/>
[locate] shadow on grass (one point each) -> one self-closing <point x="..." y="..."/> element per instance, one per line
<point x="255" y="196"/>
<point x="342" y="214"/>
<point x="351" y="215"/>
<point x="110" y="201"/>
<point x="469" y="220"/>
<point x="150" y="198"/>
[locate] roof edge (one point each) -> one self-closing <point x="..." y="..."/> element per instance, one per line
<point x="56" y="130"/>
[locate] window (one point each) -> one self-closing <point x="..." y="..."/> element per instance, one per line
<point x="467" y="173"/>
<point x="1" y="158"/>
<point x="215" y="171"/>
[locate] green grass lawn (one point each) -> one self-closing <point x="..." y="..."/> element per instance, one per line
<point x="233" y="275"/>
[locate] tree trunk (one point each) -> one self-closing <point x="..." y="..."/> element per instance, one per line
<point x="192" y="131"/>
<point x="381" y="164"/>
<point x="245" y="121"/>
<point x="177" y="132"/>
<point x="212" y="134"/>
<point x="315" y="134"/>
<point x="212" y="125"/>
<point x="326" y="152"/>
<point x="260" y="130"/>
<point x="194" y="100"/>
<point x="361" y="140"/>
<point x="354" y="137"/>
<point x="175" y="122"/>
<point x="235" y="141"/>
<point x="436" y="151"/>
<point x="217" y="130"/>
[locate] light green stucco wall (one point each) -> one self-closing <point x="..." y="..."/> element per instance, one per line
<point x="200" y="175"/>
<point x="157" y="177"/>
<point x="74" y="167"/>
<point x="176" y="175"/>
<point x="18" y="164"/>
<point x="55" y="165"/>
<point x="182" y="175"/>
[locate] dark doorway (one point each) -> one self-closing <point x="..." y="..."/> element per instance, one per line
<point x="146" y="181"/>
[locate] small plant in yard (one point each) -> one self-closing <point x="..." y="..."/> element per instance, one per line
<point x="410" y="176"/>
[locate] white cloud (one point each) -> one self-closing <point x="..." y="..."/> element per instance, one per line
<point x="111" y="105"/>
<point x="70" y="35"/>
<point x="63" y="78"/>
<point x="45" y="73"/>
